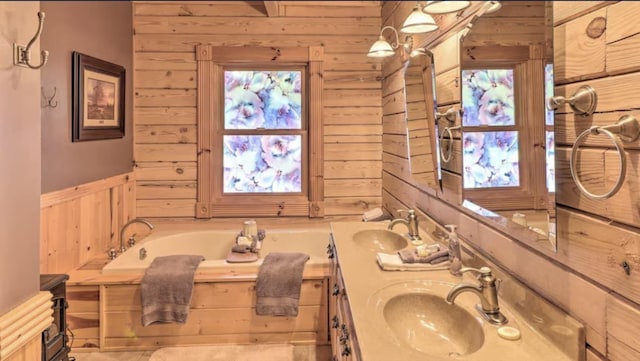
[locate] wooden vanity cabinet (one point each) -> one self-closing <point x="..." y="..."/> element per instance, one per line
<point x="344" y="345"/>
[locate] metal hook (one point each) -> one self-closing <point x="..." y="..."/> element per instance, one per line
<point x="49" y="101"/>
<point x="22" y="55"/>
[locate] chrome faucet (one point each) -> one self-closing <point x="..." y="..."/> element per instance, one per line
<point x="411" y="222"/>
<point x="486" y="290"/>
<point x="135" y="220"/>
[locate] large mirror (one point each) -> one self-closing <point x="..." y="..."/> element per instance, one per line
<point x="497" y="152"/>
<point x="419" y="80"/>
<point x="506" y="133"/>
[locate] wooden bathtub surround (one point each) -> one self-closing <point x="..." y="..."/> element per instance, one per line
<point x="104" y="311"/>
<point x="21" y="328"/>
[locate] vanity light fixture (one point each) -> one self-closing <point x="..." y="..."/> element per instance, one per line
<point x="445" y="7"/>
<point x="418" y="22"/>
<point x="381" y="48"/>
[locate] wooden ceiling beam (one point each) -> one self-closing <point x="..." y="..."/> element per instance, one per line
<point x="273" y="8"/>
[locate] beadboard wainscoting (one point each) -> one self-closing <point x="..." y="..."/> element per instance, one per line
<point x="80" y="223"/>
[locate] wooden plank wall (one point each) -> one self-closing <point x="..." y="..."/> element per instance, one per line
<point x="82" y="222"/>
<point x="594" y="43"/>
<point x="165" y="93"/>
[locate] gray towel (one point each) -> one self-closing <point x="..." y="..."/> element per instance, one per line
<point x="166" y="288"/>
<point x="408" y="255"/>
<point x="278" y="284"/>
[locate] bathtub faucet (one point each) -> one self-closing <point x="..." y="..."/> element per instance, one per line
<point x="135" y="220"/>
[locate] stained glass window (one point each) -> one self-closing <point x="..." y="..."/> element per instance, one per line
<point x="262" y="99"/>
<point x="263" y="131"/>
<point x="490" y="159"/>
<point x="487" y="97"/>
<point x="262" y="163"/>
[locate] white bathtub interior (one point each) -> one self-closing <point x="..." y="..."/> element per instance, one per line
<point x="214" y="245"/>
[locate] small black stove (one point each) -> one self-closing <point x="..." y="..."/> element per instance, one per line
<point x="54" y="338"/>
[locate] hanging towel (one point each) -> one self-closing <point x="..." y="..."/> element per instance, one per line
<point x="278" y="284"/>
<point x="166" y="288"/>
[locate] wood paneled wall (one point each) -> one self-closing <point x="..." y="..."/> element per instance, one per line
<point x="82" y="222"/>
<point x="594" y="43"/>
<point x="165" y="92"/>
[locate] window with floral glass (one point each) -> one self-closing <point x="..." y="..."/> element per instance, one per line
<point x="260" y="131"/>
<point x="264" y="131"/>
<point x="490" y="134"/>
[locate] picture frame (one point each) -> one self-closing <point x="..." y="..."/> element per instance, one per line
<point x="98" y="97"/>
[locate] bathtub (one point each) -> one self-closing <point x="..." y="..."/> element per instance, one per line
<point x="214" y="245"/>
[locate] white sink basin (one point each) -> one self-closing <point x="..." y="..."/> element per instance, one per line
<point x="380" y="240"/>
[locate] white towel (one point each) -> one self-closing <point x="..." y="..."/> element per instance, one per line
<point x="392" y="262"/>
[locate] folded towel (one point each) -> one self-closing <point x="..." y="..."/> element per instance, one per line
<point x="166" y="288"/>
<point x="409" y="255"/>
<point x="278" y="284"/>
<point x="375" y="215"/>
<point x="392" y="262"/>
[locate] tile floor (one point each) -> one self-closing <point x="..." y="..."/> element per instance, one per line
<point x="301" y="353"/>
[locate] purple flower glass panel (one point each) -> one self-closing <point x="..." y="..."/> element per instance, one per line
<point x="487" y="97"/>
<point x="262" y="163"/>
<point x="490" y="159"/>
<point x="263" y="99"/>
<point x="551" y="161"/>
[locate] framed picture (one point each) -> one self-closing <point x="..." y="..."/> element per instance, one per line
<point x="97" y="98"/>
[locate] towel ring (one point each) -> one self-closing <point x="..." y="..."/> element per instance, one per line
<point x="447" y="158"/>
<point x="627" y="129"/>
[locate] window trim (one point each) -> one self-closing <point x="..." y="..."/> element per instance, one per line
<point x="211" y="61"/>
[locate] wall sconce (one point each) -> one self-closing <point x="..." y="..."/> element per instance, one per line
<point x="583" y="102"/>
<point x="22" y="54"/>
<point x="418" y="22"/>
<point x="382" y="49"/>
<point x="445" y="7"/>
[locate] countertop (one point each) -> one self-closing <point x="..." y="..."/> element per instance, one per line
<point x="363" y="279"/>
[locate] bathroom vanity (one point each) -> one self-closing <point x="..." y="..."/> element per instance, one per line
<point x="402" y="315"/>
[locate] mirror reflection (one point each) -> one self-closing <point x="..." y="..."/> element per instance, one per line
<point x="506" y="135"/>
<point x="420" y="110"/>
<point x="493" y="139"/>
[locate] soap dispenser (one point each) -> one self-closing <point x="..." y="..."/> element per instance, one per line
<point x="454" y="243"/>
<point x="455" y="255"/>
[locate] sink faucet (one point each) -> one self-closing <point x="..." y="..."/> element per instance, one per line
<point x="135" y="220"/>
<point x="412" y="225"/>
<point x="486" y="290"/>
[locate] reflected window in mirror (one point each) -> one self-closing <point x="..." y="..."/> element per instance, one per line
<point x="550" y="149"/>
<point x="490" y="137"/>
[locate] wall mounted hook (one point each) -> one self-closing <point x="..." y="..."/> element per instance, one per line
<point x="48" y="101"/>
<point x="22" y="54"/>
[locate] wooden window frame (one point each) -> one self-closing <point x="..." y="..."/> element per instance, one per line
<point x="211" y="202"/>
